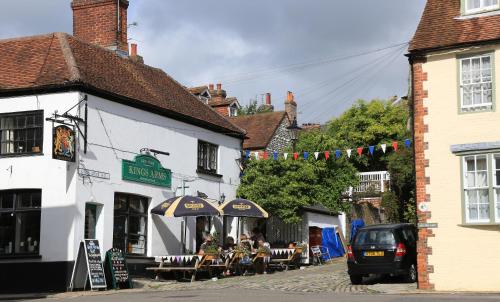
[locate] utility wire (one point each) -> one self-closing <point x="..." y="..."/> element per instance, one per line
<point x="250" y="76"/>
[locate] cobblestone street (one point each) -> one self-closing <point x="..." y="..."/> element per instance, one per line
<point x="330" y="277"/>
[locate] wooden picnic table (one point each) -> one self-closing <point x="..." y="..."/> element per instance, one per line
<point x="184" y="263"/>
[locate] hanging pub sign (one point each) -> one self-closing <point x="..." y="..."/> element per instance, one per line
<point x="63" y="143"/>
<point x="146" y="169"/>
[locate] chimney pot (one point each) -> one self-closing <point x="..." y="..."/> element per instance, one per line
<point x="268" y="98"/>
<point x="211" y="86"/>
<point x="219" y="87"/>
<point x="133" y="48"/>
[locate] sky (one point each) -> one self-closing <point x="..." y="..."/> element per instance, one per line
<point x="329" y="53"/>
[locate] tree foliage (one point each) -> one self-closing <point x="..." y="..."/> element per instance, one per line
<point x="369" y="124"/>
<point x="253" y="108"/>
<point x="283" y="187"/>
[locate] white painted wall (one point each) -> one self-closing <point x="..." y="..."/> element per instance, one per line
<point x="64" y="192"/>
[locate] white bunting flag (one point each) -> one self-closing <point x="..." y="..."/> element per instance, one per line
<point x="285" y="155"/>
<point x="256" y="154"/>
<point x="349" y="151"/>
<point x="384" y="147"/>
<point x="316" y="155"/>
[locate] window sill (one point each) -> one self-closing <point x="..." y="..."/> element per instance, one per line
<point x="20" y="155"/>
<point x="478" y="14"/>
<point x="478" y="224"/>
<point x="210" y="173"/>
<point x="26" y="256"/>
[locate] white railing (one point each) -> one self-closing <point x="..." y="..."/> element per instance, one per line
<point x="372" y="182"/>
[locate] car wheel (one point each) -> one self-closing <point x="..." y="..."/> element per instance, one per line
<point x="356" y="279"/>
<point x="411" y="277"/>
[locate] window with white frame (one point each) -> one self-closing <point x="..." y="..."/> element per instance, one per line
<point x="233" y="110"/>
<point x="207" y="157"/>
<point x="476" y="188"/>
<point x="478" y="6"/>
<point x="496" y="185"/>
<point x="476" y="82"/>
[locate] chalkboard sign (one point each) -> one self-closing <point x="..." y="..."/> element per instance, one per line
<point x="88" y="266"/>
<point x="116" y="269"/>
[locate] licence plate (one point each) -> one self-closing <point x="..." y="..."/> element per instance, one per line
<point x="374" y="254"/>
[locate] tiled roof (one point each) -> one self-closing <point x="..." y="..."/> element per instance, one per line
<point x="260" y="128"/>
<point x="60" y="61"/>
<point x="197" y="90"/>
<point x="441" y="26"/>
<point x="217" y="102"/>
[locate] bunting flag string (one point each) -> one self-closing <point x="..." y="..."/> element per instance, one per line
<point x="337" y="153"/>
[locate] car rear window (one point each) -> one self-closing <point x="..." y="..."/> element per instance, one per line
<point x="385" y="237"/>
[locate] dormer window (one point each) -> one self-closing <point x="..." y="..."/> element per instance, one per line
<point x="233" y="110"/>
<point x="479" y="6"/>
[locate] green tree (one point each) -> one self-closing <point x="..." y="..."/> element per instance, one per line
<point x="283" y="187"/>
<point x="249" y="109"/>
<point x="369" y="124"/>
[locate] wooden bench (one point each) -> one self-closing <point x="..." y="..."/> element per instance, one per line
<point x="162" y="269"/>
<point x="290" y="261"/>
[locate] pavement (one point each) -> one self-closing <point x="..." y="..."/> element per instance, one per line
<point x="314" y="283"/>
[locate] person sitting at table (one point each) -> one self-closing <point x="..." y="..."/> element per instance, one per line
<point x="256" y="236"/>
<point x="208" y="246"/>
<point x="262" y="257"/>
<point x="229" y="246"/>
<point x="245" y="242"/>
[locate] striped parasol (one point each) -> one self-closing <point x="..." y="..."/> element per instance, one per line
<point x="185" y="206"/>
<point x="243" y="208"/>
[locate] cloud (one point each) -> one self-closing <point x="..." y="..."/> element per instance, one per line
<point x="207" y="41"/>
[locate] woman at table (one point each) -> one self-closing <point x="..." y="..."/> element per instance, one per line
<point x="262" y="256"/>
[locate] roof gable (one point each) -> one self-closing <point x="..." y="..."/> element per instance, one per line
<point x="442" y="26"/>
<point x="260" y="128"/>
<point x="60" y="60"/>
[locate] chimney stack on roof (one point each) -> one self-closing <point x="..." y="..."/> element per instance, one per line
<point x="102" y="22"/>
<point x="133" y="54"/>
<point x="211" y="86"/>
<point x="291" y="106"/>
<point x="219" y="87"/>
<point x="268" y="98"/>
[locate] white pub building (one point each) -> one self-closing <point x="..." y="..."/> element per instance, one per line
<point x="91" y="139"/>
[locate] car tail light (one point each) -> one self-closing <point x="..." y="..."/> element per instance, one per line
<point x="400" y="250"/>
<point x="350" y="255"/>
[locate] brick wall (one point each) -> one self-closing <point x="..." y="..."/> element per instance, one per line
<point x="95" y="21"/>
<point x="420" y="128"/>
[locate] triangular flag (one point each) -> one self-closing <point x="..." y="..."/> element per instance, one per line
<point x="360" y="150"/>
<point x="247" y="154"/>
<point x="395" y="145"/>
<point x="316" y="155"/>
<point x="295" y="155"/>
<point x="337" y="153"/>
<point x="285" y="155"/>
<point x="327" y="155"/>
<point x="349" y="152"/>
<point x="306" y="155"/>
<point x="384" y="147"/>
<point x="408" y="143"/>
<point x="265" y="155"/>
<point x="371" y="149"/>
<point x="275" y="155"/>
<point x="256" y="154"/>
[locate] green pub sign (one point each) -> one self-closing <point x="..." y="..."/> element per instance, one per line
<point x="146" y="169"/>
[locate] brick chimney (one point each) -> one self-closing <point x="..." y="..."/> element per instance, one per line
<point x="133" y="54"/>
<point x="267" y="106"/>
<point x="102" y="22"/>
<point x="291" y="106"/>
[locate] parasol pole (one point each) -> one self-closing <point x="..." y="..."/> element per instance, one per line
<point x="238" y="230"/>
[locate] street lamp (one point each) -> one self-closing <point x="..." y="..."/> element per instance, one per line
<point x="294" y="132"/>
